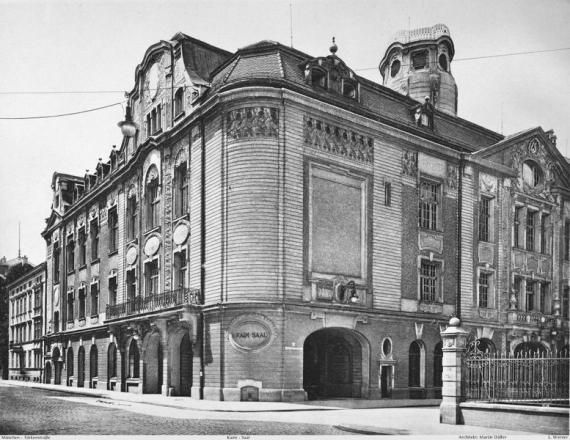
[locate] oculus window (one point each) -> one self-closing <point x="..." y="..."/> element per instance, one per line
<point x="337" y="224"/>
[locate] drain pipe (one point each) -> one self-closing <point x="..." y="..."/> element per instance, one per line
<point x="459" y="233"/>
<point x="202" y="252"/>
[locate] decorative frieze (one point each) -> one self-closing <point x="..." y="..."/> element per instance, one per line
<point x="252" y="122"/>
<point x="410" y="163"/>
<point x="487" y="183"/>
<point x="342" y="142"/>
<point x="430" y="241"/>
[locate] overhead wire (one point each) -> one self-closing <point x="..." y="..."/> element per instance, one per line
<point x="60" y="115"/>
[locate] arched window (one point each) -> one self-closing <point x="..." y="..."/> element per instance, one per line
<point x="69" y="363"/>
<point x="179" y="102"/>
<point x="134" y="360"/>
<point x="415" y="358"/>
<point x="80" y="366"/>
<point x="437" y="364"/>
<point x="530" y="349"/>
<point x="152" y="198"/>
<point x="443" y="62"/>
<point x="395" y="68"/>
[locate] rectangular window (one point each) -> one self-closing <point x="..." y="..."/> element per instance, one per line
<point x="113" y="291"/>
<point x="94" y="232"/>
<point x="148" y="126"/>
<point x="544" y="242"/>
<point x="113" y="229"/>
<point x="131" y="218"/>
<point x="82" y="246"/>
<point x="530" y="295"/>
<point x="565" y="299"/>
<point x="484" y="219"/>
<point x="82" y="303"/>
<point x="387" y="193"/>
<point x="517" y="288"/>
<point x="151" y="278"/>
<point x="70" y="306"/>
<point x="131" y="285"/>
<point x="94" y="299"/>
<point x="419" y="59"/>
<point x="152" y="209"/>
<point x="337" y="225"/>
<point x="70" y="255"/>
<point x="180" y="270"/>
<point x="484" y="289"/>
<point x="429" y="205"/>
<point x="516" y="225"/>
<point x="530" y="224"/>
<point x="181" y="194"/>
<point x="567" y="240"/>
<point x="429" y="281"/>
<point x="37" y="329"/>
<point x="544" y="303"/>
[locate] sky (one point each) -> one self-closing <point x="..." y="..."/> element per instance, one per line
<point x="93" y="47"/>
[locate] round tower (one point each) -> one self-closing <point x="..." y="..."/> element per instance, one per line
<point x="417" y="63"/>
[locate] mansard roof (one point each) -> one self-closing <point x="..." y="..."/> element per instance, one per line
<point x="271" y="63"/>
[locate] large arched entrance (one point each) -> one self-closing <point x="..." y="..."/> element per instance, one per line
<point x="93" y="365"/>
<point x="80" y="366"/>
<point x="56" y="356"/>
<point x="47" y="374"/>
<point x="334" y="365"/>
<point x="153" y="365"/>
<point x="185" y="366"/>
<point x="69" y="365"/>
<point x="530" y="349"/>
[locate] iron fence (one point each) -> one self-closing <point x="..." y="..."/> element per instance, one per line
<point x="143" y="304"/>
<point x="532" y="378"/>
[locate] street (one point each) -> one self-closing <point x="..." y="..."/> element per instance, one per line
<point x="34" y="411"/>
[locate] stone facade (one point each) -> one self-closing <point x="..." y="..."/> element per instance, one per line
<point x="282" y="229"/>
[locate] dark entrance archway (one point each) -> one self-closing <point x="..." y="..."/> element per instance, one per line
<point x="69" y="366"/>
<point x="153" y="360"/>
<point x="93" y="366"/>
<point x="530" y="349"/>
<point x="58" y="362"/>
<point x="80" y="366"/>
<point x="47" y="374"/>
<point x="333" y="364"/>
<point x="185" y="366"/>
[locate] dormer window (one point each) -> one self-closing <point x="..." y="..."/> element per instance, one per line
<point x="179" y="102"/>
<point x="420" y="59"/>
<point x="318" y="78"/>
<point x="153" y="121"/>
<point x="349" y="89"/>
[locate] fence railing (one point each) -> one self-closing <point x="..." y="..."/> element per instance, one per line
<point x="526" y="379"/>
<point x="143" y="304"/>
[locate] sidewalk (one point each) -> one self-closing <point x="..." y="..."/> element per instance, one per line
<point x="393" y="420"/>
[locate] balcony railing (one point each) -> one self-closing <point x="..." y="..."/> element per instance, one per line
<point x="153" y="303"/>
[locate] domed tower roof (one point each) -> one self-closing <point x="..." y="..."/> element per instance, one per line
<point x="417" y="63"/>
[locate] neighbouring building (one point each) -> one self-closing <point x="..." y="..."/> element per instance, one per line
<point x="280" y="228"/>
<point x="26" y="319"/>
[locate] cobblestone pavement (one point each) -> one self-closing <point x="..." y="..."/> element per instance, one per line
<point x="35" y="411"/>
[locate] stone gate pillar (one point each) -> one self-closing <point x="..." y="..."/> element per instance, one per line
<point x="454" y="346"/>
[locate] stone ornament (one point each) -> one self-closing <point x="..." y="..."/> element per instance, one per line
<point x="410" y="163"/>
<point x="487" y="183"/>
<point x="151" y="246"/>
<point x="151" y="175"/>
<point x="430" y="241"/>
<point x="180" y="234"/>
<point x="252" y="122"/>
<point x="451" y="178"/>
<point x="339" y="141"/>
<point x="132" y="255"/>
<point x="251" y="332"/>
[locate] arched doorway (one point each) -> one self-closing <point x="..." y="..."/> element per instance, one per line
<point x="530" y="349"/>
<point x="47" y="374"/>
<point x="185" y="366"/>
<point x="134" y="360"/>
<point x="333" y="364"/>
<point x="69" y="364"/>
<point x="93" y="365"/>
<point x="416" y="370"/>
<point x="438" y="368"/>
<point x="152" y="383"/>
<point x="80" y="366"/>
<point x="111" y="366"/>
<point x="56" y="356"/>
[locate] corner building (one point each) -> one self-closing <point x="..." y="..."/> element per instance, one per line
<point x="280" y="228"/>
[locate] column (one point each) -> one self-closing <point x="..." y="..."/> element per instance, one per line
<point x="162" y="325"/>
<point x="454" y="346"/>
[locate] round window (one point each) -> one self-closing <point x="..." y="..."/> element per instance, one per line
<point x="443" y="62"/>
<point x="387" y="347"/>
<point x="531" y="173"/>
<point x="395" y="68"/>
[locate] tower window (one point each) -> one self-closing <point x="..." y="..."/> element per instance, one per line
<point x="395" y="68"/>
<point x="443" y="62"/>
<point x="419" y="59"/>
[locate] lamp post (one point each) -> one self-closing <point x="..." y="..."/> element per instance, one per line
<point x="128" y="127"/>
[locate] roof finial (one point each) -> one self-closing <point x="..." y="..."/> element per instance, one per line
<point x="334" y="47"/>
